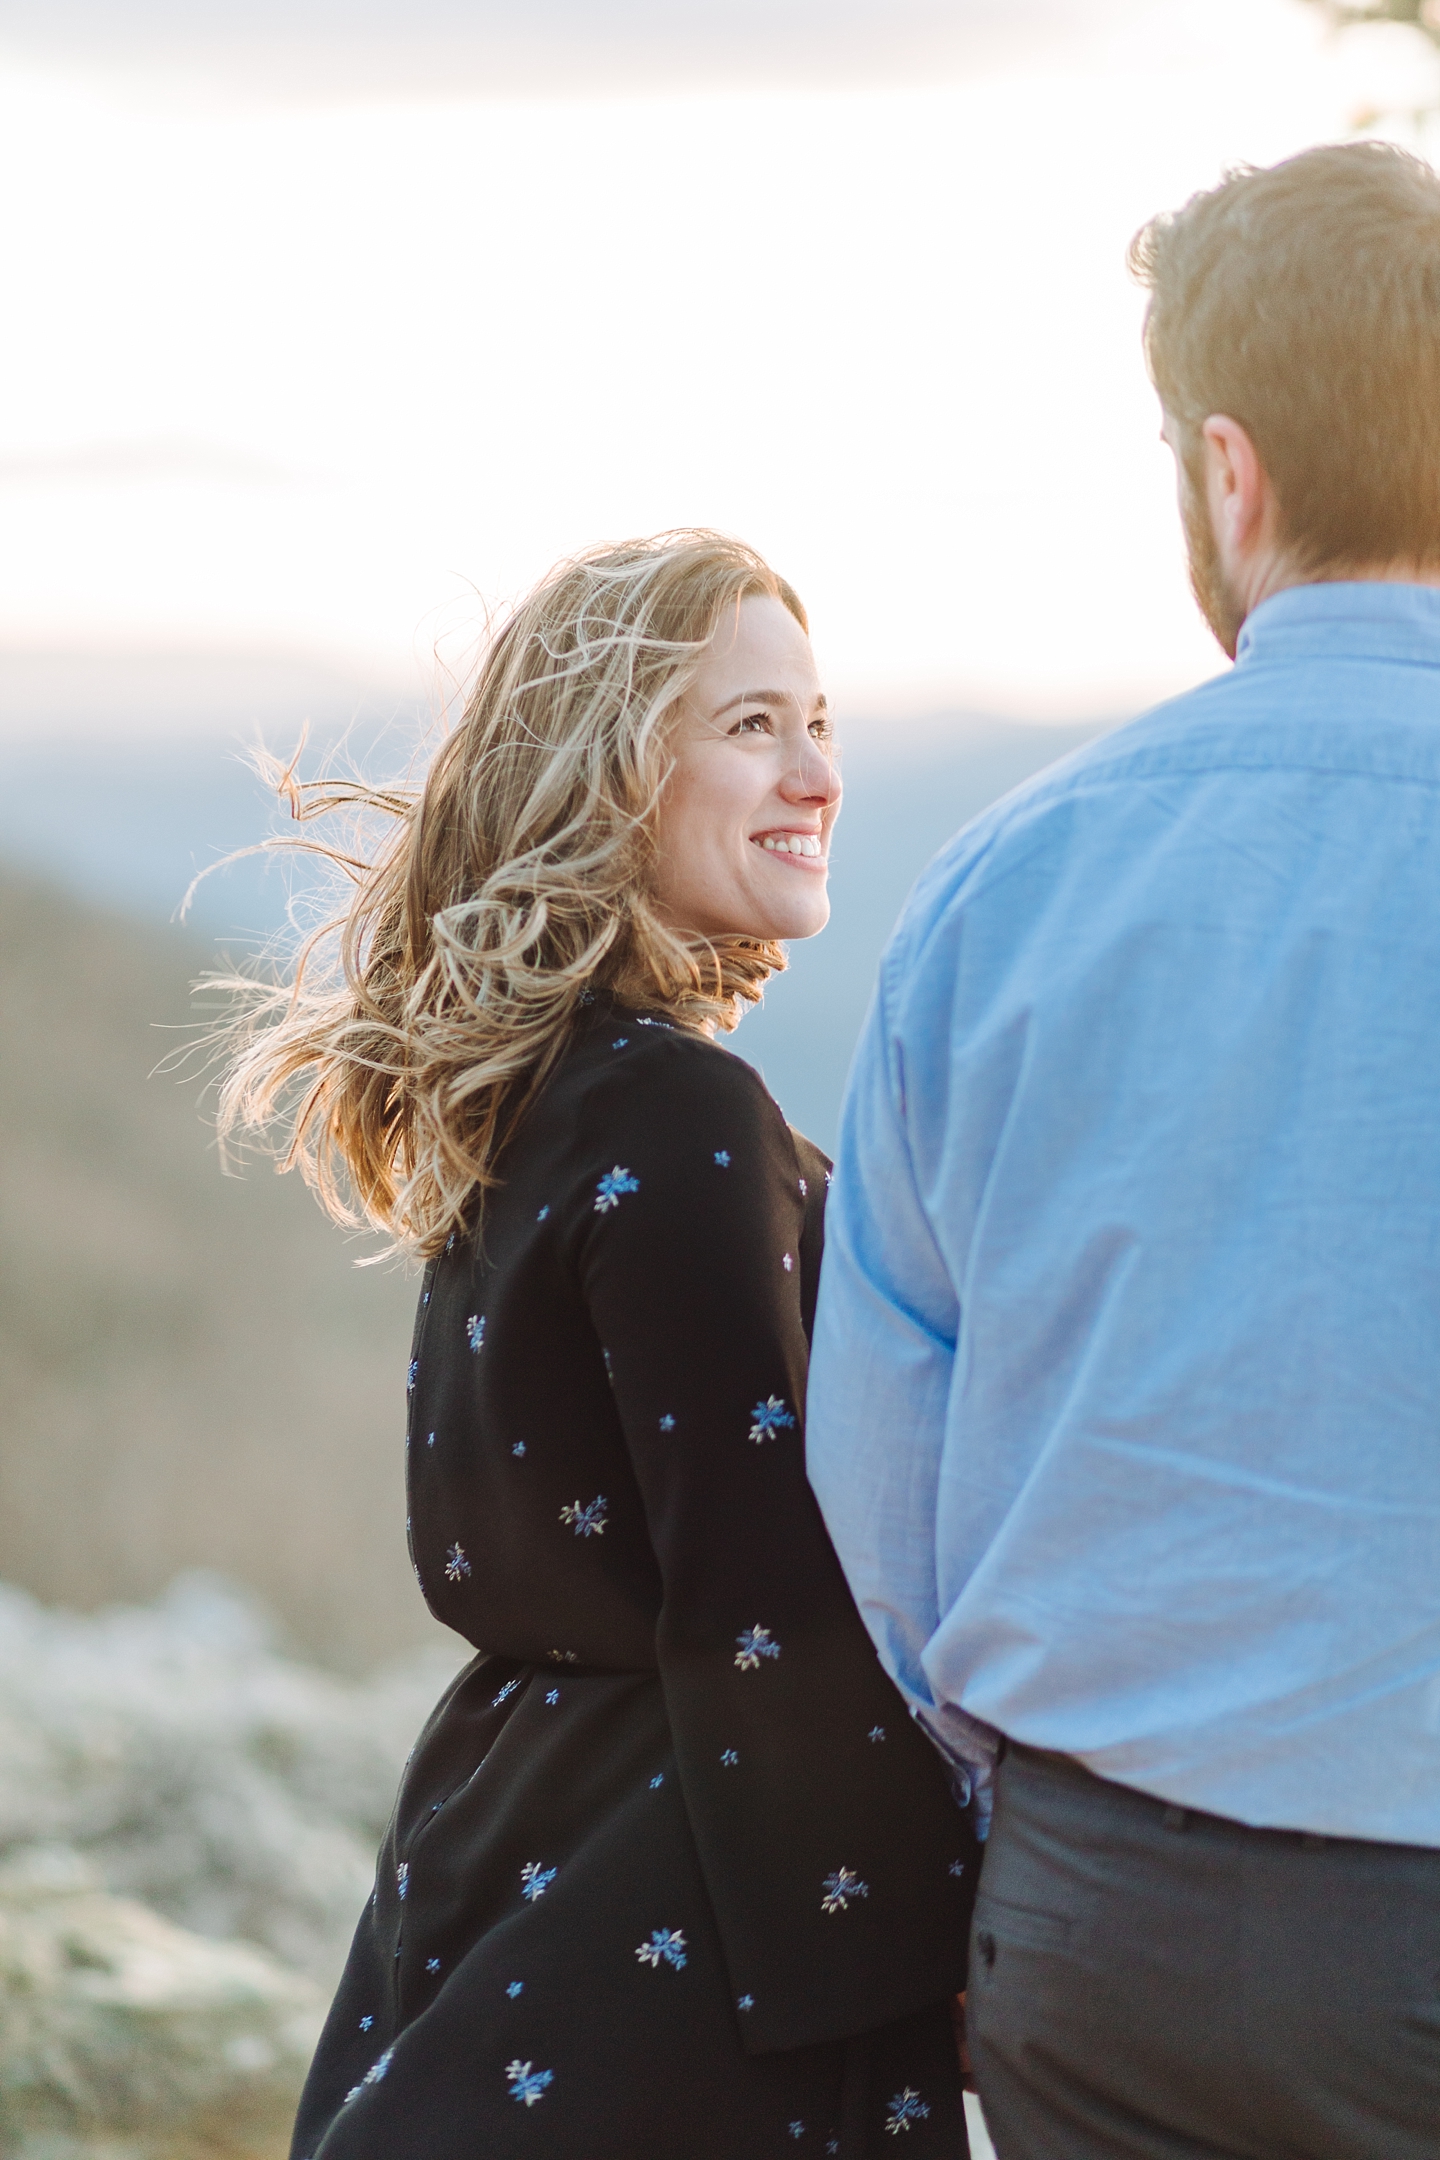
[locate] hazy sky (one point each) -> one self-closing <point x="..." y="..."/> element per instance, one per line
<point x="297" y="363"/>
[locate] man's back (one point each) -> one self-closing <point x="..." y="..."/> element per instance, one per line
<point x="1135" y="1239"/>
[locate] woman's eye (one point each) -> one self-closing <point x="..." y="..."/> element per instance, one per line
<point x="752" y="724"/>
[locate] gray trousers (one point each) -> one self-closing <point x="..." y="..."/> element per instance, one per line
<point x="1149" y="1981"/>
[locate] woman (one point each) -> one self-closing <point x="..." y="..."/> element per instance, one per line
<point x="671" y="1873"/>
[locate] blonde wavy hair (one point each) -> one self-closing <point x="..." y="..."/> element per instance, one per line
<point x="414" y="1030"/>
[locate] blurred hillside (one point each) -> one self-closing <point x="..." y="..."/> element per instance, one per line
<point x="191" y="1369"/>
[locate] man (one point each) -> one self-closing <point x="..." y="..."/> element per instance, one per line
<point x="1125" y="1404"/>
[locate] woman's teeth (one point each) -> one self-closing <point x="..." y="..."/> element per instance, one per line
<point x="792" y="843"/>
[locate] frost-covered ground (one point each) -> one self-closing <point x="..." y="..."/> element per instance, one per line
<point x="236" y="1791"/>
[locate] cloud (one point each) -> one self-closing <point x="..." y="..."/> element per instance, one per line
<point x="343" y="48"/>
<point x="155" y="458"/>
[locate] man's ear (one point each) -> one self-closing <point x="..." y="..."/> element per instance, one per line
<point x="1238" y="491"/>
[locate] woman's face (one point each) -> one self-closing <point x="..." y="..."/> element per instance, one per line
<point x="744" y="829"/>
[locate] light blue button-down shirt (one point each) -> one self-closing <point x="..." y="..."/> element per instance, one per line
<point x="1125" y="1400"/>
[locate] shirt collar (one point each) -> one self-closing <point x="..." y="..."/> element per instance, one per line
<point x="1356" y="621"/>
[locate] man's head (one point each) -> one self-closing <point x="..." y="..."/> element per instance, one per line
<point x="1293" y="334"/>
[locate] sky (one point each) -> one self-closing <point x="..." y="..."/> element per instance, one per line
<point x="332" y="327"/>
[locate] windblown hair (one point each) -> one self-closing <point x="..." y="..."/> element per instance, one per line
<point x="416" y="1029"/>
<point x="1303" y="300"/>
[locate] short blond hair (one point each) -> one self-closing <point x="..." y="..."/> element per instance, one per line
<point x="1303" y="300"/>
<point x="404" y="1049"/>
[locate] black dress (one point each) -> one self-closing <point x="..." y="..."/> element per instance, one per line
<point x="672" y="1874"/>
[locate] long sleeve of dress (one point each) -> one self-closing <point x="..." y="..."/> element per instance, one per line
<point x="838" y="1866"/>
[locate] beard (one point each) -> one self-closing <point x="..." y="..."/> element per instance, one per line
<point x="1214" y="595"/>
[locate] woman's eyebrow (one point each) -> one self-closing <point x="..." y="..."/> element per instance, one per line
<point x="763" y="697"/>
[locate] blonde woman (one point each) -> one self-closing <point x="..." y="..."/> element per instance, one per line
<point x="671" y="1873"/>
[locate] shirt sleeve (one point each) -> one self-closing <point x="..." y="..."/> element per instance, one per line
<point x="884" y="1359"/>
<point x="837" y="1864"/>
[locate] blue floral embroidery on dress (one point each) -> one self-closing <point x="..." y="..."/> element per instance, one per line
<point x="722" y="1157"/>
<point x="876" y="1732"/>
<point x="432" y="1964"/>
<point x="456" y="1564"/>
<point x="413" y="1376"/>
<point x="612" y="1188"/>
<point x="729" y="1758"/>
<point x="475" y="1332"/>
<point x="786" y="1262"/>
<point x="796" y="2129"/>
<point x="450" y="1242"/>
<point x="907" y="2107"/>
<point x="754" y="1644"/>
<point x="506" y="1692"/>
<point x="516" y="1987"/>
<point x="429" y="1439"/>
<point x="526" y="2082"/>
<point x="667" y="1423"/>
<point x="620" y="1042"/>
<point x="657" y="1780"/>
<point x="366" y="2023"/>
<point x="543" y="1212"/>
<point x="956" y="1868"/>
<point x="666" y="1946"/>
<point x="832" y="2145"/>
<point x="402" y="1878"/>
<point x="746" y="2002"/>
<point x="553" y="1697"/>
<point x="588" y="1521"/>
<point x="519" y="1448"/>
<point x="804" y="1188"/>
<point x="840" y="1888"/>
<point x="769" y="1418"/>
<point x="373" y="2075"/>
<point x="535" y="1879"/>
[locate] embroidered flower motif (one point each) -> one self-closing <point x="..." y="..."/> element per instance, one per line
<point x="450" y="1242"/>
<point x="840" y="1888"/>
<point x="457" y="1567"/>
<point x="907" y="2107"/>
<point x="667" y="1423"/>
<point x="620" y="1042"/>
<point x="564" y="1657"/>
<point x="519" y="1448"/>
<point x="786" y="1262"/>
<point x="425" y="1297"/>
<point x="429" y="1439"/>
<point x="832" y="2145"/>
<point x="729" y="1758"/>
<point x="373" y="2075"/>
<point x="796" y="2129"/>
<point x="754" y="1644"/>
<point x="475" y="1332"/>
<point x="432" y="1964"/>
<point x="804" y="1188"/>
<point x="588" y="1521"/>
<point x="657" y="1780"/>
<point x="412" y="1376"/>
<point x="666" y="1946"/>
<point x="552" y="1698"/>
<point x="543" y="1212"/>
<point x="612" y="1189"/>
<point x="516" y="1987"/>
<point x="876" y="1732"/>
<point x="506" y="1692"/>
<point x="535" y="1879"/>
<point x="829" y="1179"/>
<point x="402" y="1878"/>
<point x="746" y="2002"/>
<point x="722" y="1157"/>
<point x="366" y="2023"/>
<point x="956" y="1868"/>
<point x="526" y="2082"/>
<point x="769" y="1418"/>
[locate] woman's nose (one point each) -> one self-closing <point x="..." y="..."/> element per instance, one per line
<point x="814" y="777"/>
